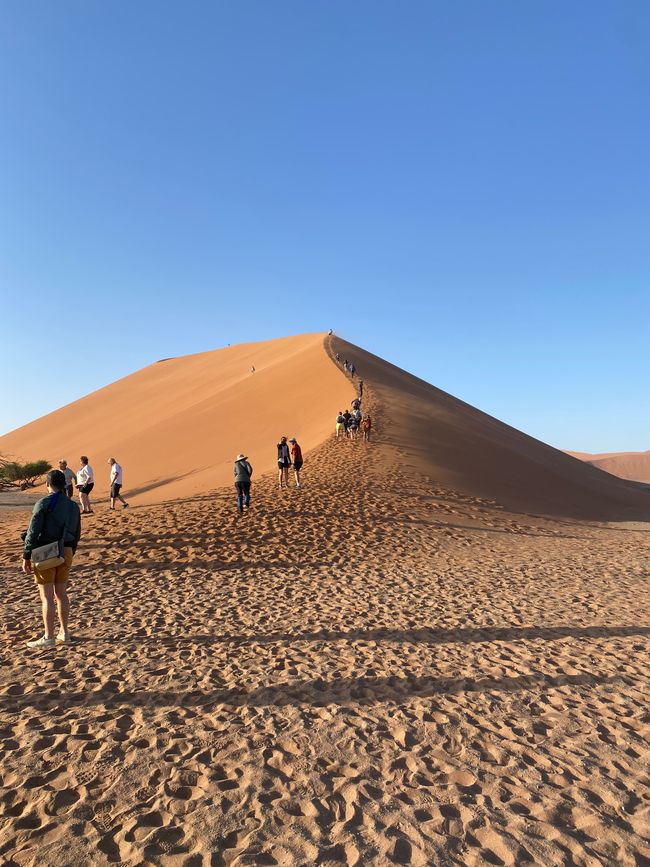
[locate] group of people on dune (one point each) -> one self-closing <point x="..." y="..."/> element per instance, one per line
<point x="289" y="455"/>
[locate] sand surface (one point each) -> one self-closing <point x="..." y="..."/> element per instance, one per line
<point x="627" y="465"/>
<point x="376" y="669"/>
<point x="177" y="425"/>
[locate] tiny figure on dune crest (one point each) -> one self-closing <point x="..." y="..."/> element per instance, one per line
<point x="338" y="358"/>
<point x="252" y="368"/>
<point x="50" y="545"/>
<point x="345" y="364"/>
<point x="330" y="332"/>
<point x="85" y="484"/>
<point x="352" y="369"/>
<point x="356" y="403"/>
<point x="296" y="457"/>
<point x="70" y="478"/>
<point x="340" y="425"/>
<point x="360" y="389"/>
<point x="116" y="484"/>
<point x="366" y="427"/>
<point x="243" y="474"/>
<point x="284" y="462"/>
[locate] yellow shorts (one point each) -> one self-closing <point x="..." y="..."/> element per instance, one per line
<point x="57" y="574"/>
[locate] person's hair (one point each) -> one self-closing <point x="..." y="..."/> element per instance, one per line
<point x="56" y="480"/>
<point x="84" y="459"/>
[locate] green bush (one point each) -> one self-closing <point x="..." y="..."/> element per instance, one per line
<point x="16" y="475"/>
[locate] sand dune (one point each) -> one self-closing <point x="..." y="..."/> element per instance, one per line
<point x="177" y="425"/>
<point x="379" y="668"/>
<point x="627" y="465"/>
<point x="461" y="447"/>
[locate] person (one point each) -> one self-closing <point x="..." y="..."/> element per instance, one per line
<point x="296" y="457"/>
<point x="353" y="369"/>
<point x="85" y="484"/>
<point x="116" y="484"/>
<point x="330" y="332"/>
<point x="284" y="462"/>
<point x="338" y="358"/>
<point x="340" y="425"/>
<point x="252" y="368"/>
<point x="55" y="517"/>
<point x="360" y="389"/>
<point x="353" y="427"/>
<point x="69" y="478"/>
<point x="243" y="474"/>
<point x="366" y="427"/>
<point x="356" y="414"/>
<point x="356" y="403"/>
<point x="345" y="364"/>
<point x="346" y="421"/>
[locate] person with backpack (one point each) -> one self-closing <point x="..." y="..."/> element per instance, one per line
<point x="296" y="457"/>
<point x="340" y="425"/>
<point x="55" y="519"/>
<point x="284" y="462"/>
<point x="243" y="474"/>
<point x="366" y="427"/>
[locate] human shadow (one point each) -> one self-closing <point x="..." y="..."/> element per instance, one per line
<point x="316" y="692"/>
<point x="424" y="635"/>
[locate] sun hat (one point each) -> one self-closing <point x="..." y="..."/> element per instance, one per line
<point x="293" y="440"/>
<point x="241" y="458"/>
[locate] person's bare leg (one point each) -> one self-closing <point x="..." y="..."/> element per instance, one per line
<point x="297" y="475"/>
<point x="112" y="502"/>
<point x="280" y="477"/>
<point x="121" y="499"/>
<point x="62" y="605"/>
<point x="48" y="607"/>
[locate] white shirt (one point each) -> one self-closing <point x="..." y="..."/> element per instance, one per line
<point x="85" y="475"/>
<point x="116" y="474"/>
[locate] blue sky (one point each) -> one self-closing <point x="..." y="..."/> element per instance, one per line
<point x="461" y="188"/>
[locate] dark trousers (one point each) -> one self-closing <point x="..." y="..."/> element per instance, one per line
<point x="243" y="494"/>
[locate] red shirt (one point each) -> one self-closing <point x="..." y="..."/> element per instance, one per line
<point x="296" y="453"/>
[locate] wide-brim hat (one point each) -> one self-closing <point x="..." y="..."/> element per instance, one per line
<point x="293" y="440"/>
<point x="241" y="458"/>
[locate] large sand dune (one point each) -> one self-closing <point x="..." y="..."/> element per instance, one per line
<point x="177" y="425"/>
<point x="626" y="465"/>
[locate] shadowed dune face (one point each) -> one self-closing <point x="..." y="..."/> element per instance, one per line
<point x="627" y="465"/>
<point x="177" y="425"/>
<point x="440" y="437"/>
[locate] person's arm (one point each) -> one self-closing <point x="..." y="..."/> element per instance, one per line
<point x="250" y="470"/>
<point x="77" y="531"/>
<point x="33" y="532"/>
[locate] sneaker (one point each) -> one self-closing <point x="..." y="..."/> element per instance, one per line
<point x="41" y="642"/>
<point x="64" y="638"/>
<point x="125" y="506"/>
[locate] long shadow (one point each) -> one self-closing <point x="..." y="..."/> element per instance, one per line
<point x="412" y="636"/>
<point x="342" y="691"/>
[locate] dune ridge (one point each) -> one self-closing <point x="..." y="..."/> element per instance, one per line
<point x="627" y="465"/>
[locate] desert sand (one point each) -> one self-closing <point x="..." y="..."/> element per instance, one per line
<point x="627" y="465"/>
<point x="434" y="653"/>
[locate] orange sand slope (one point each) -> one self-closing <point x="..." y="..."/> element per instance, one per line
<point x="627" y="465"/>
<point x="456" y="445"/>
<point x="177" y="425"/>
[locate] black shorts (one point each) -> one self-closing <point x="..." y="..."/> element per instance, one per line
<point x="115" y="490"/>
<point x="284" y="465"/>
<point x="86" y="489"/>
<point x="297" y="465"/>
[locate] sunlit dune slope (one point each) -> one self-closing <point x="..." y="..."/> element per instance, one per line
<point x="438" y="436"/>
<point x="177" y="425"/>
<point x="627" y="465"/>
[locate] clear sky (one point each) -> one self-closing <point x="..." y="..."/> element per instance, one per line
<point x="461" y="188"/>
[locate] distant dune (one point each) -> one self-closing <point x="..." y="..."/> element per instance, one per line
<point x="626" y="465"/>
<point x="177" y="425"/>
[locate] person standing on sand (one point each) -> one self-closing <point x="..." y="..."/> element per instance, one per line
<point x="243" y="474"/>
<point x="360" y="389"/>
<point x="296" y="457"/>
<point x="85" y="484"/>
<point x="366" y="427"/>
<point x="55" y="517"/>
<point x="284" y="462"/>
<point x="70" y="478"/>
<point x="116" y="484"/>
<point x="353" y="370"/>
<point x="340" y="425"/>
